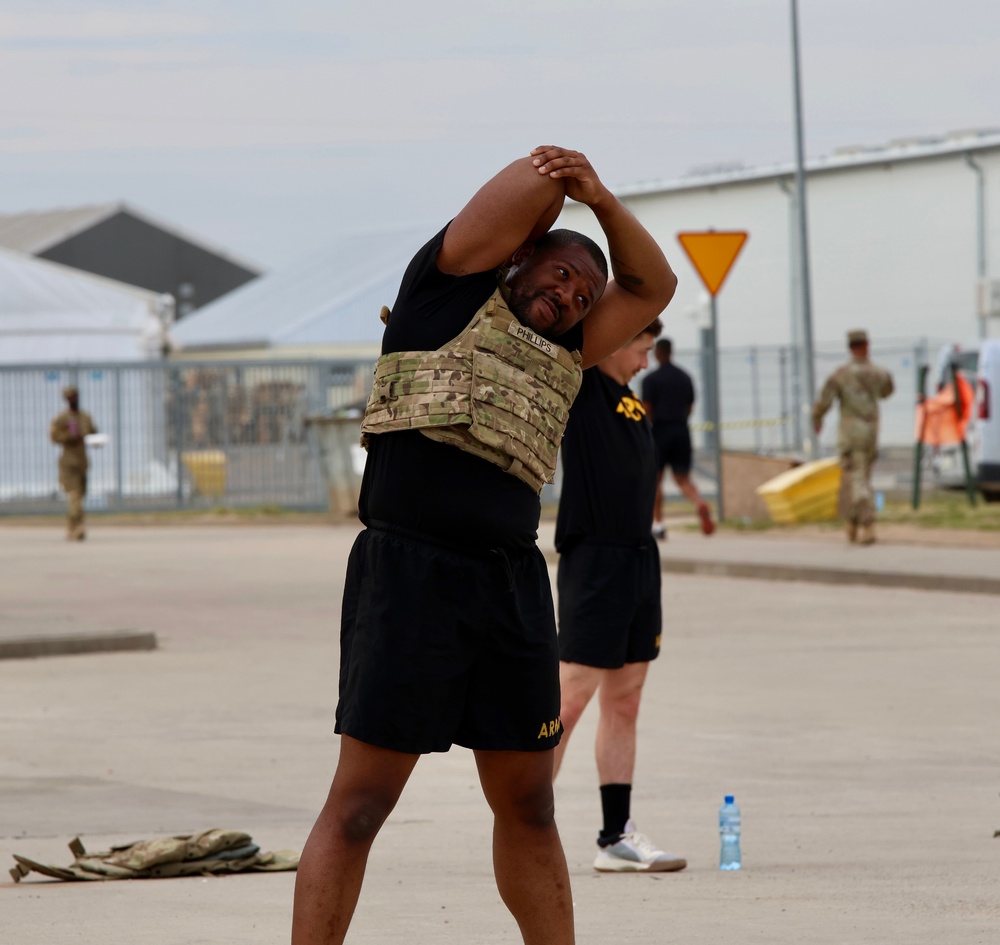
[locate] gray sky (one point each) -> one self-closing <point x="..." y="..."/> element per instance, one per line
<point x="267" y="127"/>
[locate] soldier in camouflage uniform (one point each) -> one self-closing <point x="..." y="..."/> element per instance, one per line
<point x="858" y="386"/>
<point x="68" y="430"/>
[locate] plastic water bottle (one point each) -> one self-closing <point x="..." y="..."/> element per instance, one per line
<point x="729" y="833"/>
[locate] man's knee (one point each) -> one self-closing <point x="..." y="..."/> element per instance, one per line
<point x="577" y="685"/>
<point x="571" y="707"/>
<point x="525" y="799"/>
<point x="360" y="819"/>
<point x="535" y="807"/>
<point x="624" y="705"/>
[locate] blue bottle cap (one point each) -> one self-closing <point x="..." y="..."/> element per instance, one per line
<point x="729" y="798"/>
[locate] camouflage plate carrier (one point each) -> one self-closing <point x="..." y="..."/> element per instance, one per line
<point x="498" y="390"/>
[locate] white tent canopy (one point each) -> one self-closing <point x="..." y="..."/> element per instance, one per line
<point x="53" y="314"/>
<point x="329" y="297"/>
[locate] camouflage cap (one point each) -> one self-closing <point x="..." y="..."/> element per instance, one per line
<point x="70" y="391"/>
<point x="857" y="337"/>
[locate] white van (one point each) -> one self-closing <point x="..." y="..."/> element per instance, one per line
<point x="988" y="419"/>
<point x="979" y="361"/>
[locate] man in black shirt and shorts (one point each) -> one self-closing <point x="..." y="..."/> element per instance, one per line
<point x="609" y="588"/>
<point x="668" y="395"/>
<point x="448" y="631"/>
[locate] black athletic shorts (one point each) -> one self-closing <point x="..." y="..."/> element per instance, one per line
<point x="673" y="447"/>
<point x="443" y="646"/>
<point x="609" y="604"/>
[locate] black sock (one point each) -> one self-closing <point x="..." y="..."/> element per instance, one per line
<point x="615" y="800"/>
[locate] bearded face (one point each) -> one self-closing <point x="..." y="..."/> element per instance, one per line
<point x="553" y="288"/>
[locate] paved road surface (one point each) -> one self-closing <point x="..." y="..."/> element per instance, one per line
<point x="856" y="726"/>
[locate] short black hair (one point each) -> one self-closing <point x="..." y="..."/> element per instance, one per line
<point x="665" y="345"/>
<point x="572" y="238"/>
<point x="653" y="328"/>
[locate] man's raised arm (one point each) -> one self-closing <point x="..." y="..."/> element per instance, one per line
<point x="521" y="203"/>
<point x="517" y="206"/>
<point x="643" y="281"/>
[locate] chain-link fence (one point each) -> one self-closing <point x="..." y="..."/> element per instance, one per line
<point x="179" y="435"/>
<point x="763" y="409"/>
<point x="195" y="435"/>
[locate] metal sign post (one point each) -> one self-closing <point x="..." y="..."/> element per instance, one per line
<point x="712" y="254"/>
<point x="716" y="412"/>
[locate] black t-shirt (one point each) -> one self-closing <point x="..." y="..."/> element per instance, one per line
<point x="436" y="488"/>
<point x="609" y="466"/>
<point x="670" y="392"/>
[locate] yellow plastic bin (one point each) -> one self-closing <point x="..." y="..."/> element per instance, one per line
<point x="207" y="469"/>
<point x="807" y="493"/>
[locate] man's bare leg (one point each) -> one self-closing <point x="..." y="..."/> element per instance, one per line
<point x="691" y="493"/>
<point x="577" y="684"/>
<point x="365" y="789"/>
<point x="528" y="858"/>
<point x="688" y="489"/>
<point x="658" y="501"/>
<point x="620" y="693"/>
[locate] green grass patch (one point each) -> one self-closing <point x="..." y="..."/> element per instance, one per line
<point x="938" y="509"/>
<point x="944" y="510"/>
<point x="209" y="515"/>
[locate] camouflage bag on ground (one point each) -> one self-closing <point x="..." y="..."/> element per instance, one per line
<point x="209" y="852"/>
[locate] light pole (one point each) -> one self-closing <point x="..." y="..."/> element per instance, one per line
<point x="808" y="374"/>
<point x="980" y="231"/>
<point x="794" y="305"/>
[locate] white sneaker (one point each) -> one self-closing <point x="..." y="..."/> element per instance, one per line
<point x="634" y="853"/>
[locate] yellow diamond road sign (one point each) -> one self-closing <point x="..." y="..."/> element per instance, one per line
<point x="713" y="253"/>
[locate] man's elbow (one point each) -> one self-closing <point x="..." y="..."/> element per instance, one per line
<point x="665" y="291"/>
<point x="670" y="288"/>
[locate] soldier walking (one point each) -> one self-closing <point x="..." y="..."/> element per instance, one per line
<point x="68" y="430"/>
<point x="858" y="385"/>
<point x="668" y="398"/>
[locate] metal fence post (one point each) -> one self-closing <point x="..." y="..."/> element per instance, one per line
<point x="178" y="433"/>
<point x="783" y="394"/>
<point x="119" y="437"/>
<point x="755" y="396"/>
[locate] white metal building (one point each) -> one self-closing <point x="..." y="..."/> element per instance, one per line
<point x="323" y="305"/>
<point x="900" y="240"/>
<point x="51" y="313"/>
<point x="53" y="318"/>
<point x="895" y="241"/>
<point x="119" y="242"/>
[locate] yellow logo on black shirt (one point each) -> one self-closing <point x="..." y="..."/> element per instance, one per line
<point x="632" y="408"/>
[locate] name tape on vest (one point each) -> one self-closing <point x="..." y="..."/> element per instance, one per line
<point x="526" y="334"/>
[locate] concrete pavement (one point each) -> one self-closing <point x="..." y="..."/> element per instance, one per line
<point x="825" y="557"/>
<point x="780" y="555"/>
<point x="856" y="730"/>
